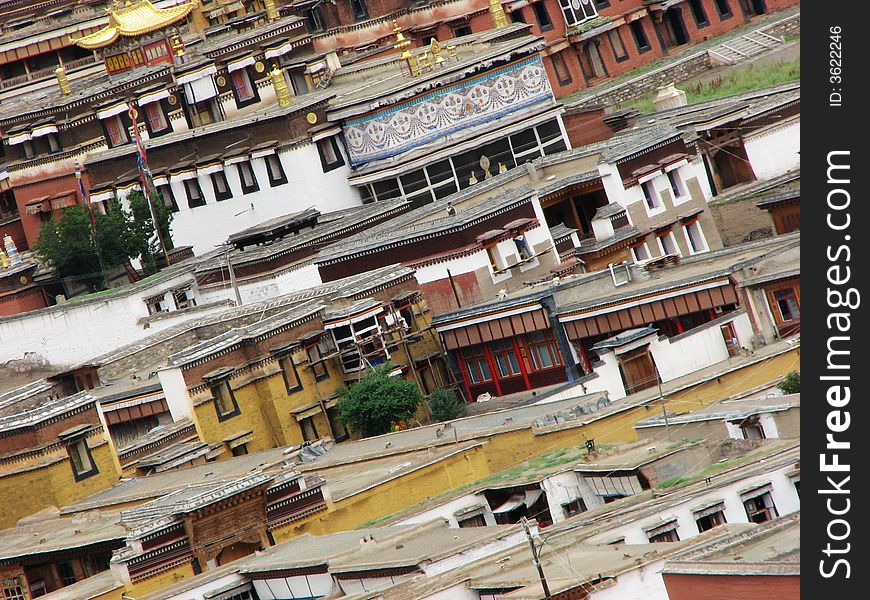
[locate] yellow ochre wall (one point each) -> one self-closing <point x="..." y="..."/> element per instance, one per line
<point x="32" y="490"/>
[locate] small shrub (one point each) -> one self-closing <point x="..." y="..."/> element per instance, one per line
<point x="445" y="406"/>
<point x="791" y="383"/>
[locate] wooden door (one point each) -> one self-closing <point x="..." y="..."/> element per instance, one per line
<point x="730" y="337"/>
<point x="638" y="370"/>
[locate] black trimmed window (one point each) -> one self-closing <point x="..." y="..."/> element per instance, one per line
<point x="698" y="13"/>
<point x="290" y="374"/>
<point x="275" y="170"/>
<point x="602" y="3"/>
<point x="330" y="154"/>
<point x="315" y="360"/>
<point x="517" y="16"/>
<point x="563" y="75"/>
<point x="247" y="177"/>
<point x="315" y="21"/>
<point x="195" y="197"/>
<point x="221" y="186"/>
<point x="116" y="131"/>
<point x="360" y="10"/>
<point x="155" y="118"/>
<point x="168" y="196"/>
<point x="81" y="460"/>
<point x="639" y="34"/>
<point x="244" y="90"/>
<point x="723" y="7"/>
<point x="462" y="30"/>
<point x="577" y="11"/>
<point x="225" y="405"/>
<point x="542" y="16"/>
<point x="619" y="51"/>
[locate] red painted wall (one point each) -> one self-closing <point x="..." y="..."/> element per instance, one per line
<point x="733" y="587"/>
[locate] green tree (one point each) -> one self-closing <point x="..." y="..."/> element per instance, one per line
<point x="76" y="248"/>
<point x="372" y="405"/>
<point x="142" y="239"/>
<point x="68" y="245"/>
<point x="445" y="406"/>
<point x="791" y="383"/>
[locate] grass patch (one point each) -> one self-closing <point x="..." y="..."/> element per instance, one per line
<point x="674" y="481"/>
<point x="733" y="81"/>
<point x="792" y="38"/>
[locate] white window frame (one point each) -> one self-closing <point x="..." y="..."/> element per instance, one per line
<point x="705" y="246"/>
<point x="662" y="249"/>
<point x="654" y="195"/>
<point x="645" y="249"/>
<point x="575" y="16"/>
<point x="681" y="186"/>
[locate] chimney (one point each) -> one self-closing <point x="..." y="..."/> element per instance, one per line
<point x="669" y="97"/>
<point x="62" y="81"/>
<point x="533" y="172"/>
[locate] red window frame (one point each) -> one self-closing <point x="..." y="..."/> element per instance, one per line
<point x="242" y="85"/>
<point x="475" y="362"/>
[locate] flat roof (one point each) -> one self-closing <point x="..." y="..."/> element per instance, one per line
<point x="46" y="532"/>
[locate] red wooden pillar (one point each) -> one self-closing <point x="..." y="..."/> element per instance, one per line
<point x="492" y="368"/>
<point x="464" y="371"/>
<point x="522" y="363"/>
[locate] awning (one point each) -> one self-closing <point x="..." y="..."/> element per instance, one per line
<point x="279" y="50"/>
<point x="102" y="196"/>
<point x="643" y="311"/>
<point x="64" y="200"/>
<point x="112" y="110"/>
<point x="201" y="73"/>
<point x="669" y="524"/>
<point x="240" y="63"/>
<point x="239" y="439"/>
<point x="37" y="206"/>
<point x="183" y="174"/>
<point x="306" y="411"/>
<point x="708" y="508"/>
<point x="155" y="96"/>
<point x="138" y="411"/>
<point x="18" y="138"/>
<point x="755" y="491"/>
<point x="45" y="129"/>
<point x="532" y="319"/>
<point x="528" y="498"/>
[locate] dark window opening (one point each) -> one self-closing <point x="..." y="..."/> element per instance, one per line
<point x="222" y="189"/>
<point x="225" y="403"/>
<point x="195" y="198"/>
<point x="275" y="170"/>
<point x="247" y="177"/>
<point x="542" y="16"/>
<point x="724" y="9"/>
<point x="639" y="34"/>
<point x="330" y="154"/>
<point x="698" y="13"/>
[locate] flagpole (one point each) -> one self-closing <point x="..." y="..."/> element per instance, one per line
<point x="147" y="183"/>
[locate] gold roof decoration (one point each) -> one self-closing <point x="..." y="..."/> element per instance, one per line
<point x="134" y="19"/>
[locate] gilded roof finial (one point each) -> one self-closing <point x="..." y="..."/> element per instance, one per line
<point x="497" y="11"/>
<point x="282" y="91"/>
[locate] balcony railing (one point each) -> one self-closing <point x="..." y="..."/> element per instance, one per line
<point x="48" y="72"/>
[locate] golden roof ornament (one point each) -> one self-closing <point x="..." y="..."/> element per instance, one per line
<point x="499" y="18"/>
<point x="271" y="10"/>
<point x="62" y="81"/>
<point x="435" y="49"/>
<point x="282" y="91"/>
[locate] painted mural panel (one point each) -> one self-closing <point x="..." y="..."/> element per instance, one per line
<point x="430" y="116"/>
